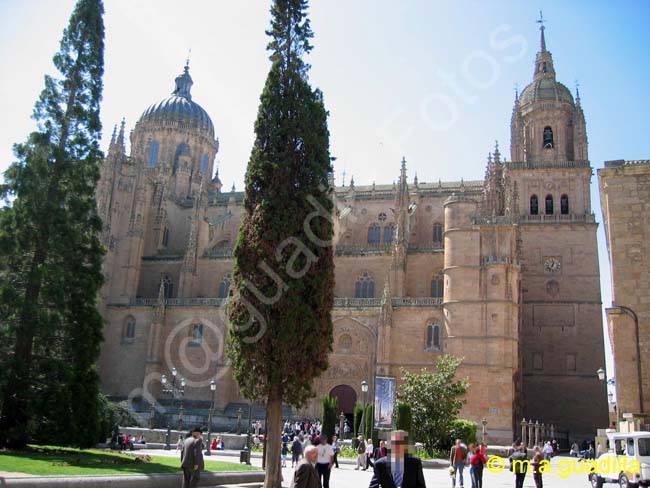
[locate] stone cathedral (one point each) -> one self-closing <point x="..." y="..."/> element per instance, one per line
<point x="502" y="271"/>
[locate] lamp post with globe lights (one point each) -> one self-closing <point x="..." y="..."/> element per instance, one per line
<point x="213" y="387"/>
<point x="181" y="391"/>
<point x="172" y="391"/>
<point x="364" y="390"/>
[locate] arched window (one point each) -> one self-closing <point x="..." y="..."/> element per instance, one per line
<point x="374" y="234"/>
<point x="129" y="328"/>
<point x="165" y="237"/>
<point x="432" y="341"/>
<point x="548" y="137"/>
<point x="365" y="286"/>
<point x="389" y="233"/>
<point x="168" y="286"/>
<point x="196" y="334"/>
<point x="436" y="286"/>
<point x="154" y="147"/>
<point x="181" y="150"/>
<point x="534" y="205"/>
<point x="204" y="164"/>
<point x="549" y="205"/>
<point x="437" y="233"/>
<point x="345" y="343"/>
<point x="224" y="286"/>
<point x="564" y="205"/>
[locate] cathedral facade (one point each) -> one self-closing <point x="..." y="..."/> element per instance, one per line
<point x="501" y="271"/>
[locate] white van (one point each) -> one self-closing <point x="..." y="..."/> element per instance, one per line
<point x="627" y="463"/>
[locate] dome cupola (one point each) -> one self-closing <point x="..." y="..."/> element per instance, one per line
<point x="179" y="108"/>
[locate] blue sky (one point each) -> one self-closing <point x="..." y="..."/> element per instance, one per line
<point x="433" y="81"/>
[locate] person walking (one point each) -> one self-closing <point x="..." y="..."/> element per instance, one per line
<point x="336" y="447"/>
<point x="519" y="465"/>
<point x="296" y="451"/>
<point x="477" y="461"/>
<point x="325" y="461"/>
<point x="547" y="450"/>
<point x="305" y="475"/>
<point x="536" y="465"/>
<point x="192" y="459"/>
<point x="457" y="457"/>
<point x="399" y="470"/>
<point x="370" y="451"/>
<point x="361" y="453"/>
<point x="381" y="451"/>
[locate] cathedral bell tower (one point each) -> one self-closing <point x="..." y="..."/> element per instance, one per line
<point x="547" y="124"/>
<point x="561" y="334"/>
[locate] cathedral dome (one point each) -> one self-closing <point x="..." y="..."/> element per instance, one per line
<point x="180" y="107"/>
<point x="545" y="89"/>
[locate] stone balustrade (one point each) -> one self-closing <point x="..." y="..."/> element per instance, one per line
<point x="339" y="302"/>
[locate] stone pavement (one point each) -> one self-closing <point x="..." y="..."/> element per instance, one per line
<point x="347" y="477"/>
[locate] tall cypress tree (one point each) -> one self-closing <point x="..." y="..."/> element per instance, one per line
<point x="50" y="252"/>
<point x="280" y="312"/>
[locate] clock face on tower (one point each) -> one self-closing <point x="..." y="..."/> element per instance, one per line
<point x="552" y="264"/>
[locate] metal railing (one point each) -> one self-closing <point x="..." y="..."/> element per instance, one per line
<point x="179" y="302"/>
<point x="355" y="249"/>
<point x="547" y="164"/>
<point x="225" y="252"/>
<point x="339" y="302"/>
<point x="587" y="218"/>
<point x="426" y="246"/>
<point x="417" y="302"/>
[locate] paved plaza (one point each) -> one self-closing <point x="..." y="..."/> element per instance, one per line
<point x="347" y="477"/>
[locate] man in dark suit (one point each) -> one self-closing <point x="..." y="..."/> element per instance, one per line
<point x="192" y="459"/>
<point x="305" y="475"/>
<point x="381" y="451"/>
<point x="398" y="470"/>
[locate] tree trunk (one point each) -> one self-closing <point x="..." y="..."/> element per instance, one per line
<point x="273" y="441"/>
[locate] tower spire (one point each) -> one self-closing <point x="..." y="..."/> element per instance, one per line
<point x="542" y="40"/>
<point x="120" y="137"/>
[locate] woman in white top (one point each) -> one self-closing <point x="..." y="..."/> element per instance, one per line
<point x="370" y="450"/>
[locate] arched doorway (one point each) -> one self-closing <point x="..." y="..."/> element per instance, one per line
<point x="347" y="398"/>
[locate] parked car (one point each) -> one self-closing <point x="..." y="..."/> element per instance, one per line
<point x="628" y="460"/>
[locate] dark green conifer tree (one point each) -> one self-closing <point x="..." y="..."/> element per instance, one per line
<point x="50" y="252"/>
<point x="280" y="313"/>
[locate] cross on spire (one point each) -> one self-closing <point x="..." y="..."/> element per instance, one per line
<point x="577" y="91"/>
<point x="187" y="60"/>
<point x="541" y="21"/>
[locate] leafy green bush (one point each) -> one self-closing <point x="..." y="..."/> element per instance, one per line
<point x="330" y="410"/>
<point x="464" y="430"/>
<point x="358" y="410"/>
<point x="403" y="417"/>
<point x="369" y="421"/>
<point x="436" y="399"/>
<point x="112" y="414"/>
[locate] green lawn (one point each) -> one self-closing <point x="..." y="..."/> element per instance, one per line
<point x="52" y="460"/>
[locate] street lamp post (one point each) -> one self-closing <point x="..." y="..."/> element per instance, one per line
<point x="342" y="426"/>
<point x="213" y="387"/>
<point x="171" y="390"/>
<point x="484" y="422"/>
<point x="239" y="412"/>
<point x="248" y="432"/>
<point x="180" y="410"/>
<point x="364" y="390"/>
<point x="152" y="413"/>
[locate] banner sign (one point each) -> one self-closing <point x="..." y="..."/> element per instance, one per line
<point x="384" y="402"/>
